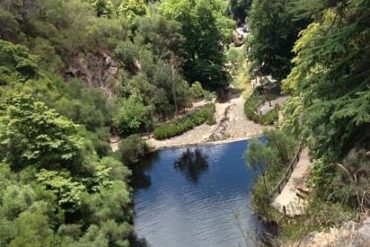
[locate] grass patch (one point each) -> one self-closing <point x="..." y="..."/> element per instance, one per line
<point x="186" y="123"/>
<point x="250" y="108"/>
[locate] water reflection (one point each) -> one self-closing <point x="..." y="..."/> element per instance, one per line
<point x="140" y="172"/>
<point x="135" y="241"/>
<point x="173" y="212"/>
<point x="192" y="163"/>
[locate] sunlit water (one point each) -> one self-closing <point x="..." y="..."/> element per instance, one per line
<point x="199" y="196"/>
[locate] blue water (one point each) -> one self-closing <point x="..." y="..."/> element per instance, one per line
<point x="198" y="196"/>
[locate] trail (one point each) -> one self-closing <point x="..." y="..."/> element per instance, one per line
<point x="292" y="197"/>
<point x="269" y="105"/>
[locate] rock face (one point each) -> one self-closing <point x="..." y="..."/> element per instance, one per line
<point x="95" y="69"/>
<point x="351" y="234"/>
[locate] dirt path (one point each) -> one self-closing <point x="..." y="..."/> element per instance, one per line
<point x="289" y="198"/>
<point x="231" y="125"/>
<point x="268" y="106"/>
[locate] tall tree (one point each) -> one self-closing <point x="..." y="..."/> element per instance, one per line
<point x="331" y="76"/>
<point x="238" y="9"/>
<point x="205" y="28"/>
<point x="273" y="33"/>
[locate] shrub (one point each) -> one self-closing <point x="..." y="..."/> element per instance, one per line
<point x="271" y="159"/>
<point x="270" y="117"/>
<point x="131" y="149"/>
<point x="196" y="90"/>
<point x="181" y="125"/>
<point x="132" y="117"/>
<point x="250" y="109"/>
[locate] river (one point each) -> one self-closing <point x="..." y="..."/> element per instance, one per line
<point x="198" y="196"/>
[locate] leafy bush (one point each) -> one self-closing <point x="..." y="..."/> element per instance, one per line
<point x="16" y="60"/>
<point x="250" y="109"/>
<point x="181" y="125"/>
<point x="271" y="117"/>
<point x="33" y="134"/>
<point x="271" y="159"/>
<point x="346" y="183"/>
<point x="131" y="149"/>
<point x="196" y="90"/>
<point x="132" y="117"/>
<point x="54" y="187"/>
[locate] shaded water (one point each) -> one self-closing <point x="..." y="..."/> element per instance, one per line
<point x="198" y="196"/>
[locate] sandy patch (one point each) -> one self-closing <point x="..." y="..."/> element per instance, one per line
<point x="235" y="127"/>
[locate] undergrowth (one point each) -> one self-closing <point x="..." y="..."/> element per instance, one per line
<point x="204" y="114"/>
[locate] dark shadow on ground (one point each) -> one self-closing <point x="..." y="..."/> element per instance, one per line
<point x="228" y="94"/>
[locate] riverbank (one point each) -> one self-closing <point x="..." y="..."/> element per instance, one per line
<point x="208" y="143"/>
<point x="231" y="125"/>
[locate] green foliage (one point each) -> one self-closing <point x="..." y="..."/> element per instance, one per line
<point x="238" y="66"/>
<point x="272" y="159"/>
<point x="239" y="8"/>
<point x="16" y="63"/>
<point x="132" y="8"/>
<point x="32" y="134"/>
<point x="117" y="171"/>
<point x="53" y="182"/>
<point x="55" y="190"/>
<point x="132" y="148"/>
<point x="111" y="202"/>
<point x="278" y="150"/>
<point x="183" y="124"/>
<point x="86" y="106"/>
<point x="132" y="117"/>
<point x="273" y="33"/>
<point x="161" y="35"/>
<point x="250" y="108"/>
<point x="204" y="26"/>
<point x="67" y="191"/>
<point x="321" y="174"/>
<point x="331" y="78"/>
<point x="196" y="90"/>
<point x="345" y="183"/>
<point x="330" y="87"/>
<point x="152" y="57"/>
<point x="291" y="112"/>
<point x="329" y="107"/>
<point x="103" y="8"/>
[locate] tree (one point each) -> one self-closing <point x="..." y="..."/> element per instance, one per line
<point x="238" y="9"/>
<point x="160" y="35"/>
<point x="60" y="183"/>
<point x="273" y="155"/>
<point x="260" y="156"/>
<point x="32" y="134"/>
<point x="104" y="8"/>
<point x="132" y="116"/>
<point x="273" y="33"/>
<point x="16" y="63"/>
<point x="331" y="77"/>
<point x="131" y="8"/>
<point x="205" y="28"/>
